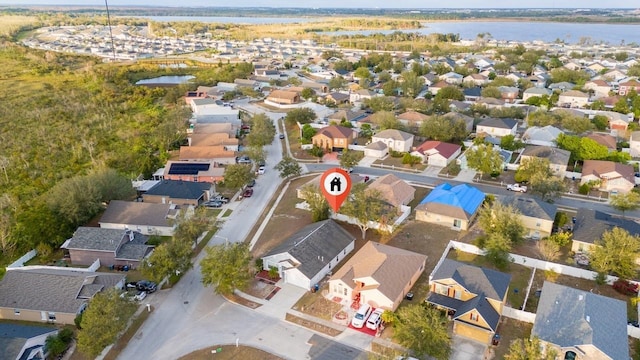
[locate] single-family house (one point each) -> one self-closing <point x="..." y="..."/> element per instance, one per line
<point x="194" y="171"/>
<point x="393" y="190"/>
<point x="452" y="78"/>
<point x="354" y="117"/>
<point x="562" y="86"/>
<point x="222" y="128"/>
<point x="537" y="216"/>
<point x="573" y="98"/>
<point x="283" y="97"/>
<point x="433" y="89"/>
<point x="412" y="118"/>
<point x="535" y="92"/>
<point x="472" y="94"/>
<point x="51" y="295"/>
<point x="581" y="325"/>
<point x="218" y="153"/>
<point x="476" y="79"/>
<point x="473" y="296"/>
<point x="24" y="342"/>
<point x="591" y="224"/>
<point x="379" y="275"/>
<point x="229" y="143"/>
<point x="625" y="87"/>
<point x="509" y="93"/>
<point x="320" y="88"/>
<point x="605" y="140"/>
<point x="337" y="97"/>
<point x="110" y="246"/>
<point x="208" y="110"/>
<point x="497" y="127"/>
<point x="310" y="254"/>
<point x="452" y="206"/>
<point x="543" y="136"/>
<point x="558" y="158"/>
<point x="145" y="218"/>
<point x="361" y="95"/>
<point x="315" y="184"/>
<point x="634" y="144"/>
<point x="437" y="153"/>
<point x="456" y="116"/>
<point x="376" y="150"/>
<point x="396" y="140"/>
<point x="599" y="88"/>
<point x="334" y="137"/>
<point x="178" y="192"/>
<point x="608" y="176"/>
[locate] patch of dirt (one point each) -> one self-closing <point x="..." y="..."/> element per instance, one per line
<point x="327" y="330"/>
<point x="242" y="301"/>
<point x="230" y="352"/>
<point x="259" y="289"/>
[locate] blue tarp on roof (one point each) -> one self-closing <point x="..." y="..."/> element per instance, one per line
<point x="463" y="196"/>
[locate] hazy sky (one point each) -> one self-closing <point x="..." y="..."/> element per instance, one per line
<point x="347" y="4"/>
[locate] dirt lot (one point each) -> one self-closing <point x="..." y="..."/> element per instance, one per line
<point x="230" y="352"/>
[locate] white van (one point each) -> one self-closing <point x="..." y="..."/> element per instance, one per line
<point x="361" y="316"/>
<point x="373" y="322"/>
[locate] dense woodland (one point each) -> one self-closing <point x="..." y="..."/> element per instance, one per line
<point x="71" y="128"/>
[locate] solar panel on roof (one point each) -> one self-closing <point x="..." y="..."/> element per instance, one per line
<point x="187" y="169"/>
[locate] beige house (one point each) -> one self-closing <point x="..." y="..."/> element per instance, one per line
<point x="41" y="294"/>
<point x="591" y="224"/>
<point x="498" y="127"/>
<point x="412" y="118"/>
<point x="315" y="183"/>
<point x="474" y="297"/>
<point x="600" y="88"/>
<point x="217" y="153"/>
<point x="437" y="153"/>
<point x="378" y="275"/>
<point x="393" y="190"/>
<point x="283" y="97"/>
<point x="608" y="176"/>
<point x="537" y="216"/>
<point x="396" y="140"/>
<point x="216" y="139"/>
<point x="558" y="158"/>
<point x="334" y="137"/>
<point x="451" y="206"/>
<point x="573" y="98"/>
<point x="634" y="144"/>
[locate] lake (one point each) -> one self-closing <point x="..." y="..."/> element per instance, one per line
<point x="613" y="34"/>
<point x="520" y="31"/>
<point x="165" y="80"/>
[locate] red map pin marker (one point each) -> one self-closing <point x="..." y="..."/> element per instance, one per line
<point x="335" y="185"/>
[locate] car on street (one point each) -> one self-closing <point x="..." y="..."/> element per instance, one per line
<point x="281" y="136"/>
<point x="146" y="285"/>
<point x="517" y="188"/>
<point x="212" y="204"/>
<point x="251" y="183"/>
<point x="247" y="192"/>
<point x="141" y="295"/>
<point x="261" y="170"/>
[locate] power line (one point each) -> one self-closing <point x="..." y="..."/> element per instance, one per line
<point x="113" y="46"/>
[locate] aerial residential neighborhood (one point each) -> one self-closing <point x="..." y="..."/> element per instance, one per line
<point x="493" y="206"/>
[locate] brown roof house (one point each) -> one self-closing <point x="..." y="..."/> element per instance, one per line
<point x="145" y="218"/>
<point x="307" y="256"/>
<point x="334" y="137"/>
<point x="315" y="183"/>
<point x="222" y="139"/>
<point x="393" y="190"/>
<point x="605" y="140"/>
<point x="608" y="176"/>
<point x="110" y="246"/>
<point x="378" y="275"/>
<point x="437" y="153"/>
<point x="218" y="153"/>
<point x="51" y="295"/>
<point x="558" y="158"/>
<point x="473" y="296"/>
<point x="282" y="97"/>
<point x="412" y="118"/>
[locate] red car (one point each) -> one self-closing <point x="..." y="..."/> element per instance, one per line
<point x="248" y="192"/>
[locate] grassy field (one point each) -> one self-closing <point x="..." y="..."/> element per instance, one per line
<point x="10" y="24"/>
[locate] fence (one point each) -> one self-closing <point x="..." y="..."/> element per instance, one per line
<point x="519" y="315"/>
<point x="393" y="167"/>
<point x="23" y="259"/>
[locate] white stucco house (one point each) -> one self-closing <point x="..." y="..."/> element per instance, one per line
<point x="396" y="140"/>
<point x="497" y="127"/>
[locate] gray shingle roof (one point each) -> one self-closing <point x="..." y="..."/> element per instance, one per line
<point x="180" y="189"/>
<point x="53" y="290"/>
<point x="591" y="224"/>
<point x="482" y="306"/>
<point x="531" y="207"/>
<point x="315" y="245"/>
<point x="111" y="240"/>
<point x="13" y="337"/>
<point x="555" y="156"/>
<point x="493" y="284"/>
<point x="499" y="123"/>
<point x="572" y="317"/>
<point x="136" y="213"/>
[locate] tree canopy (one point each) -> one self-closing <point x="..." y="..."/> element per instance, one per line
<point x="364" y="205"/>
<point x="424" y="330"/>
<point x="441" y="128"/>
<point x="485" y="159"/>
<point x="288" y="167"/>
<point x="616" y="253"/>
<point x="226" y="267"/>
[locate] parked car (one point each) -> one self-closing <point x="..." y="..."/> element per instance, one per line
<point x="247" y="192"/>
<point x="220" y="198"/>
<point x="212" y="204"/>
<point x="146" y="285"/>
<point x="262" y="163"/>
<point x="361" y="316"/>
<point x="517" y="188"/>
<point x="261" y="170"/>
<point x="141" y="295"/>
<point x="243" y="160"/>
<point x="132" y="285"/>
<point x="251" y="183"/>
<point x="375" y="319"/>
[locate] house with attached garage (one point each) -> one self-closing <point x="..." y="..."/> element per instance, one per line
<point x="573" y="98"/>
<point x="334" y="137"/>
<point x="145" y="218"/>
<point x="395" y="140"/>
<point x="110" y="246"/>
<point x="634" y="144"/>
<point x="379" y="275"/>
<point x="543" y="136"/>
<point x="581" y="325"/>
<point x="608" y="176"/>
<point x="536" y="216"/>
<point x="412" y="119"/>
<point x="589" y="226"/>
<point x="497" y="127"/>
<point x="452" y="206"/>
<point x="393" y="190"/>
<point x="218" y="153"/>
<point x="213" y="111"/>
<point x="558" y="158"/>
<point x="437" y="153"/>
<point x="474" y="297"/>
<point x="178" y="192"/>
<point x="194" y="171"/>
<point x="306" y="257"/>
<point x="51" y="295"/>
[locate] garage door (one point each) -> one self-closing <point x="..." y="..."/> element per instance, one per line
<point x="472" y="332"/>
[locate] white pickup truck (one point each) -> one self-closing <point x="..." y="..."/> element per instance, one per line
<point x="517" y="187"/>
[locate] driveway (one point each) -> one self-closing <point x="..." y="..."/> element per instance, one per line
<point x="465" y="349"/>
